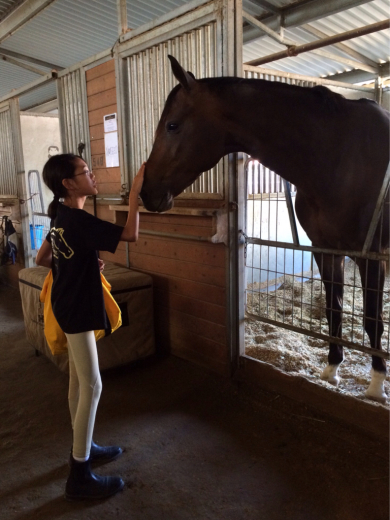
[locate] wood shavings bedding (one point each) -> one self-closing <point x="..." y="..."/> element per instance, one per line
<point x="302" y="303"/>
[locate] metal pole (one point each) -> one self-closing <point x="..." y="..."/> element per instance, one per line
<point x="122" y="16"/>
<point x="307" y="47"/>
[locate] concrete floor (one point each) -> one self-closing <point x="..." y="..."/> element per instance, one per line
<point x="198" y="446"/>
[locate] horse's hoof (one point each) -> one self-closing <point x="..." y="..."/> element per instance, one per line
<point x="330" y="375"/>
<point x="376" y="390"/>
<point x="382" y="398"/>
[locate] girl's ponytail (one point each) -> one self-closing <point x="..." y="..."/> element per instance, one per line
<point x="53" y="207"/>
<point x="56" y="169"/>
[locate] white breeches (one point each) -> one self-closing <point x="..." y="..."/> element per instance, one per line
<point x="85" y="386"/>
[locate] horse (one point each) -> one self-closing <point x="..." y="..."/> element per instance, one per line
<point x="334" y="150"/>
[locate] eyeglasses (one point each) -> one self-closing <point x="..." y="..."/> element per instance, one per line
<point x="88" y="172"/>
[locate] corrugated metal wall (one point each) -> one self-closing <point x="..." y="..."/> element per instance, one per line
<point x="149" y="81"/>
<point x="72" y="104"/>
<point x="8" y="184"/>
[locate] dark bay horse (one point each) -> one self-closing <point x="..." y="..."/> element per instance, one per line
<point x="334" y="150"/>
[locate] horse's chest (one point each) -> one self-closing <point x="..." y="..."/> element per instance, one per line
<point x="325" y="225"/>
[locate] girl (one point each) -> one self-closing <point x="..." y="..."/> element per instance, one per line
<point x="70" y="250"/>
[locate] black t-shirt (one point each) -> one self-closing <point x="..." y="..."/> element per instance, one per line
<point x="77" y="294"/>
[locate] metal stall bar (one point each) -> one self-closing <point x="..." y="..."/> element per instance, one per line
<point x="307" y="47"/>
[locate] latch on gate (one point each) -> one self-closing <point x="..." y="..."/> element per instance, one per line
<point x="243" y="239"/>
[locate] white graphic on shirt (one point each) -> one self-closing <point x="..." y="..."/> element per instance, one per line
<point x="59" y="244"/>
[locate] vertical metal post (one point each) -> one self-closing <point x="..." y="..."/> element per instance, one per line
<point x="122" y="16"/>
<point x="21" y="180"/>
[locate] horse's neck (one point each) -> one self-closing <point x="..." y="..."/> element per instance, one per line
<point x="268" y="123"/>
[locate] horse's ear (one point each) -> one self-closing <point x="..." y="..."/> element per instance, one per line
<point x="186" y="79"/>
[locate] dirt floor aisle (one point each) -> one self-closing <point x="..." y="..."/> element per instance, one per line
<point x="197" y="446"/>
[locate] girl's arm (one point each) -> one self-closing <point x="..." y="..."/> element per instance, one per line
<point x="44" y="255"/>
<point x="130" y="231"/>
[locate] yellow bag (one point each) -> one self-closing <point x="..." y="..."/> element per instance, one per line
<point x="55" y="336"/>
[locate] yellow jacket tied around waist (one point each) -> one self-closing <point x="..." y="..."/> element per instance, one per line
<point x="55" y="336"/>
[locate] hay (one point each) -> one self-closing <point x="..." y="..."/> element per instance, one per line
<point x="302" y="303"/>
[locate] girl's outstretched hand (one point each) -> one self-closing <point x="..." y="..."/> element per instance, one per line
<point x="138" y="180"/>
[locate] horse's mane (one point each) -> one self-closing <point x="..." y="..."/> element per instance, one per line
<point x="320" y="94"/>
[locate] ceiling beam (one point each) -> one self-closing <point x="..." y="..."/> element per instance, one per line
<point x="300" y="14"/>
<point x="22" y="14"/>
<point x="43" y="108"/>
<point x="267" y="6"/>
<point x="341" y="46"/>
<point x="307" y="47"/>
<point x="29" y="59"/>
<point x="23" y="65"/>
<point x="358" y="76"/>
<point x="292" y="44"/>
<point x="48" y="78"/>
<point x="347" y="61"/>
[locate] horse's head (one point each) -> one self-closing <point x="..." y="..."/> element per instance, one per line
<point x="187" y="141"/>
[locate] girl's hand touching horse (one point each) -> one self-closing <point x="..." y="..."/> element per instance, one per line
<point x="138" y="181"/>
<point x="130" y="231"/>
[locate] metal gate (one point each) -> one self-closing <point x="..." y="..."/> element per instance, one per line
<point x="283" y="289"/>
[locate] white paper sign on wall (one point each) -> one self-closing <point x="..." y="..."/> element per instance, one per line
<point x="111" y="140"/>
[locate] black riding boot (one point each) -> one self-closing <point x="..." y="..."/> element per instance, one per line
<point x="101" y="454"/>
<point x="82" y="484"/>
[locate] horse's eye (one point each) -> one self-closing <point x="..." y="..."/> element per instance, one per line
<point x="171" y="127"/>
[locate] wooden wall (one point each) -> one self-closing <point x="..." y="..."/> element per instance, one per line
<point x="101" y="94"/>
<point x="189" y="275"/>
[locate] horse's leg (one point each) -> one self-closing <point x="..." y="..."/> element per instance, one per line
<point x="372" y="274"/>
<point x="332" y="274"/>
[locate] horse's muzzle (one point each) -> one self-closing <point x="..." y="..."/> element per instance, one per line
<point x="157" y="203"/>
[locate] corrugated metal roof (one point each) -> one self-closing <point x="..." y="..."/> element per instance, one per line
<point x="6" y="5"/>
<point x="68" y="31"/>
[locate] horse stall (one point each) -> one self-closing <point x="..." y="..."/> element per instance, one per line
<point x="183" y="250"/>
<point x="286" y="323"/>
<point x="109" y="109"/>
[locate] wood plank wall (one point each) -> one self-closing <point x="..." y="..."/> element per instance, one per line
<point x="189" y="276"/>
<point x="101" y="94"/>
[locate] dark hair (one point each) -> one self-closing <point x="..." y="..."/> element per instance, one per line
<point x="56" y="169"/>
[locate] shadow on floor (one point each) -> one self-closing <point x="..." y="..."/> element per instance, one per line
<point x="197" y="446"/>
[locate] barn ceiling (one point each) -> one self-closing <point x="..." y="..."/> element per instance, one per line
<point x="39" y="35"/>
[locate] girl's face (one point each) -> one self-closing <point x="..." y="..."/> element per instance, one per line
<point x="83" y="181"/>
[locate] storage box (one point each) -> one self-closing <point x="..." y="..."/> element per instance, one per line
<point x="132" y="290"/>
